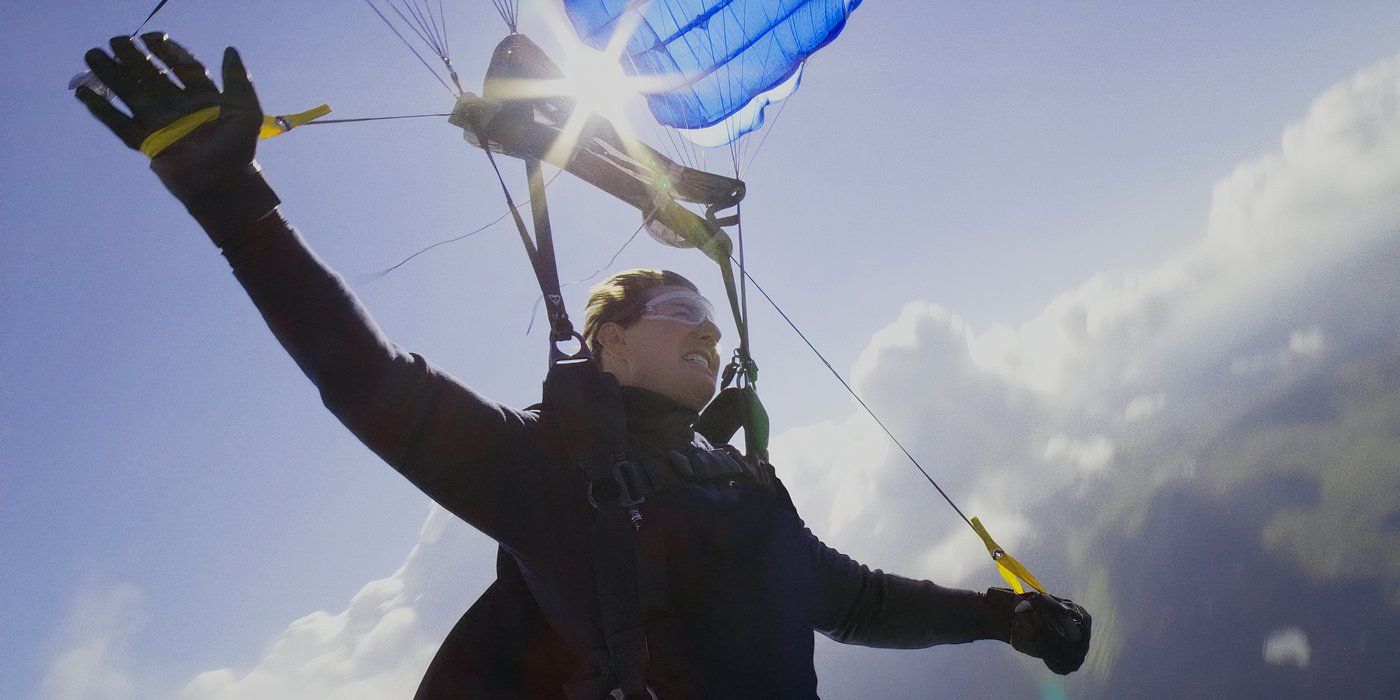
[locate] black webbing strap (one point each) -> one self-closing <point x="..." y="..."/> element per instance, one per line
<point x="540" y="250"/>
<point x="616" y="573"/>
<point x="704" y="466"/>
<point x="732" y="292"/>
<point x="542" y="256"/>
<point x="629" y="553"/>
<point x="743" y="368"/>
<point x="617" y="487"/>
<point x="587" y="408"/>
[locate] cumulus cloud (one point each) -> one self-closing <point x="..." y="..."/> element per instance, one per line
<point x="1142" y="407"/>
<point x="1267" y="353"/>
<point x="1295" y="270"/>
<point x="381" y="643"/>
<point x="1301" y="346"/>
<point x="94" y="660"/>
<point x="1307" y="343"/>
<point x="1087" y="455"/>
<point x="1287" y="646"/>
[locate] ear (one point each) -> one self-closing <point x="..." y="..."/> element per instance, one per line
<point x="612" y="339"/>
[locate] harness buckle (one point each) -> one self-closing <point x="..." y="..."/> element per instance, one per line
<point x="619" y="485"/>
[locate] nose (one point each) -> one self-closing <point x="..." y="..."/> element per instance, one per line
<point x="707" y="331"/>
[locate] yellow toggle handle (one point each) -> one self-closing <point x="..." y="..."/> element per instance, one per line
<point x="162" y="138"/>
<point x="1007" y="566"/>
<point x="281" y="124"/>
<point x="166" y="136"/>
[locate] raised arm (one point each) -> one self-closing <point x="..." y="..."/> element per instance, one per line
<point x="454" y="444"/>
<point x="462" y="449"/>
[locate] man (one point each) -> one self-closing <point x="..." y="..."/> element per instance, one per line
<point x="718" y="590"/>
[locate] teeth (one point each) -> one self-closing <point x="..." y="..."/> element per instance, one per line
<point x="697" y="358"/>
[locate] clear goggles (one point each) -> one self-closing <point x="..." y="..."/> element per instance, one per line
<point x="683" y="306"/>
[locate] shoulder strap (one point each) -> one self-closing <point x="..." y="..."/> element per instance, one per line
<point x="587" y="410"/>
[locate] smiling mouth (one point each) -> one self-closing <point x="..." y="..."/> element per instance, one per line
<point x="698" y="359"/>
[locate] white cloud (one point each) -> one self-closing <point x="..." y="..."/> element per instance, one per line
<point x="1019" y="417"/>
<point x="1088" y="455"/>
<point x="1142" y="407"/>
<point x="1307" y="343"/>
<point x="1302" y="346"/>
<point x="94" y="659"/>
<point x="860" y="493"/>
<point x="1287" y="646"/>
<point x="379" y="646"/>
<point x="960" y="560"/>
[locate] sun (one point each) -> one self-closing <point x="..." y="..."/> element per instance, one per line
<point x="597" y="83"/>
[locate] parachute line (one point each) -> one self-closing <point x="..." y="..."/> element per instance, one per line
<point x="677" y="150"/>
<point x="349" y="121"/>
<point x="764" y="139"/>
<point x="509" y="11"/>
<point x="735" y="52"/>
<point x="157" y="8"/>
<point x="534" y="310"/>
<point x="406" y="42"/>
<point x="426" y="30"/>
<point x="352" y="120"/>
<point x="858" y="399"/>
<point x="611" y="260"/>
<point x="377" y="275"/>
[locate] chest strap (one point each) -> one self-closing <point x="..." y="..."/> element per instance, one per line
<point x="625" y="481"/>
<point x="629" y="557"/>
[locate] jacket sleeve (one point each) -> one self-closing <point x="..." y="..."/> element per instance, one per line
<point x="460" y="448"/>
<point x="854" y="605"/>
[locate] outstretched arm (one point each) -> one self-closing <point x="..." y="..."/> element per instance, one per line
<point x="448" y="440"/>
<point x="855" y="605"/>
<point x="872" y="608"/>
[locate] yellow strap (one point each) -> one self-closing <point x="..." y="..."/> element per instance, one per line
<point x="281" y="124"/>
<point x="166" y="136"/>
<point x="1007" y="566"/>
<point x="162" y="138"/>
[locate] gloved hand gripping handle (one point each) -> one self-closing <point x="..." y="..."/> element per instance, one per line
<point x="1054" y="630"/>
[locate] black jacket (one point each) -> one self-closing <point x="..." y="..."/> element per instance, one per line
<point x="746" y="581"/>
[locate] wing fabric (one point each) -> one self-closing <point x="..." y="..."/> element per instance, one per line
<point x="714" y="58"/>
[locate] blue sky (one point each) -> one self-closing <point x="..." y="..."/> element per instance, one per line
<point x="1017" y="225"/>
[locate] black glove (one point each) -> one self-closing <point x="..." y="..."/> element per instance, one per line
<point x="1054" y="630"/>
<point x="211" y="170"/>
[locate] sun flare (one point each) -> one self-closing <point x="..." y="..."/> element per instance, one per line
<point x="597" y="83"/>
<point x="595" y="80"/>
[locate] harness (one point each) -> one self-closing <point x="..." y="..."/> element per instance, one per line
<point x="621" y="474"/>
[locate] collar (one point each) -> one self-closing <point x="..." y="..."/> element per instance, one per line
<point x="653" y="416"/>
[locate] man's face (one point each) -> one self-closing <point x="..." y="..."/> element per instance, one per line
<point x="668" y="356"/>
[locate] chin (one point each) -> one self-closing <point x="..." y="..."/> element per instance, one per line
<point x="694" y="397"/>
<point x="702" y="397"/>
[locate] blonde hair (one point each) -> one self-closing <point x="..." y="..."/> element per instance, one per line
<point x="620" y="298"/>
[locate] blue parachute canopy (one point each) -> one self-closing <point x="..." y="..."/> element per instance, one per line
<point x="721" y="61"/>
